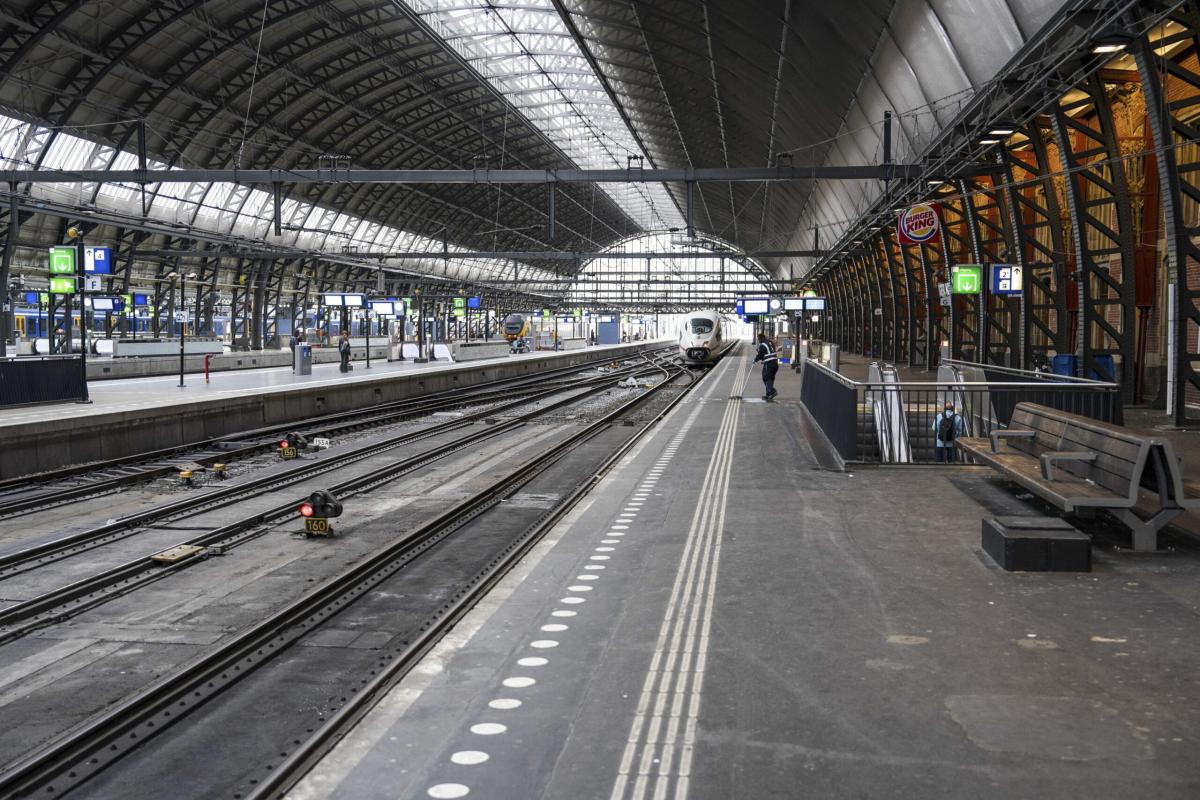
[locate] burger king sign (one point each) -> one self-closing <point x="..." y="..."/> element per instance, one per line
<point x="921" y="224"/>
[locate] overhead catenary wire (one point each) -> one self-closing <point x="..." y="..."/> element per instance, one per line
<point x="253" y="79"/>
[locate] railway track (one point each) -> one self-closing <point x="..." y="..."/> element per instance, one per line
<point x="463" y="550"/>
<point x="28" y="494"/>
<point x="20" y="618"/>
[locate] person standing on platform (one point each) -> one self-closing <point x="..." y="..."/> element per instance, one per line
<point x="770" y="361"/>
<point x="292" y="342"/>
<point x="344" y="350"/>
<point x="948" y="426"/>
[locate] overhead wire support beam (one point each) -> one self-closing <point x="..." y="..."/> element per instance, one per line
<point x="485" y="176"/>
<point x="566" y="255"/>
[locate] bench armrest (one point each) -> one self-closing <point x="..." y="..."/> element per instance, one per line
<point x="998" y="435"/>
<point x="1048" y="460"/>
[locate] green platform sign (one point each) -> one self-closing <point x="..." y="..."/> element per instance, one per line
<point x="460" y="303"/>
<point x="62" y="286"/>
<point x="62" y="260"/>
<point x="966" y="279"/>
<point x="547" y="313"/>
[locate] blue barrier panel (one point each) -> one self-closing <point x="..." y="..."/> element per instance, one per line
<point x="26" y="380"/>
<point x="833" y="403"/>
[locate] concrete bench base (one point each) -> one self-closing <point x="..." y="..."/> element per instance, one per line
<point x="1036" y="544"/>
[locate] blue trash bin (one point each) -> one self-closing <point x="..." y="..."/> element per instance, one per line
<point x="1064" y="364"/>
<point x="1104" y="368"/>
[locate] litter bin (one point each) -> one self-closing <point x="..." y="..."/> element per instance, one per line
<point x="1104" y="368"/>
<point x="302" y="362"/>
<point x="1064" y="364"/>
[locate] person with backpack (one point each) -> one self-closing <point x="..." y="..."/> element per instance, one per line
<point x="948" y="427"/>
<point x="770" y="361"/>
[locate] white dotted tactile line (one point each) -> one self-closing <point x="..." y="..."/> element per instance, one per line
<point x="675" y="675"/>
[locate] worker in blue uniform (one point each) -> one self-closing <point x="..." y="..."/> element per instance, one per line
<point x="770" y="361"/>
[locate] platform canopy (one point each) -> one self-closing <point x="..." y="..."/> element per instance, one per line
<point x="472" y="84"/>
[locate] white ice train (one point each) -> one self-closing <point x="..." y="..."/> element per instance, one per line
<point x="700" y="337"/>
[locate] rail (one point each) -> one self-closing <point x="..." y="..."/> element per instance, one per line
<point x="884" y="421"/>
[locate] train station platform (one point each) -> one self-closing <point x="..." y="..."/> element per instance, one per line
<point x="725" y="617"/>
<point x="135" y="415"/>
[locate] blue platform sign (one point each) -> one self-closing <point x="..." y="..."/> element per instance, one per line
<point x="1007" y="279"/>
<point x="97" y="260"/>
<point x="31" y="298"/>
<point x="741" y="307"/>
<point x="474" y="302"/>
<point x="141" y="299"/>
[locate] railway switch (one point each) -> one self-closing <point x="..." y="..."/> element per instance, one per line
<point x="317" y="510"/>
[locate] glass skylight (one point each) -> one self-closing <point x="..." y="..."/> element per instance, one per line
<point x="526" y="52"/>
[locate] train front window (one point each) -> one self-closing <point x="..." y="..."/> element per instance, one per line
<point x="701" y="326"/>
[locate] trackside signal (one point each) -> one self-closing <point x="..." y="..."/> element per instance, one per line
<point x="292" y="444"/>
<point x="320" y="507"/>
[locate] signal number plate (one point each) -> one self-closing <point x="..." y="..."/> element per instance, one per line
<point x="288" y="452"/>
<point x="316" y="525"/>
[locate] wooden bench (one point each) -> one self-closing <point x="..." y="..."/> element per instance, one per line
<point x="1074" y="462"/>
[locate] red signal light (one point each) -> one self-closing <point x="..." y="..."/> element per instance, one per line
<point x="285" y="444"/>
<point x="306" y="509"/>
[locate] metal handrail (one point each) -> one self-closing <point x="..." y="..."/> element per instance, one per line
<point x="958" y="362"/>
<point x="985" y="384"/>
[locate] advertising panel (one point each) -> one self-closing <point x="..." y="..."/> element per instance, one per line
<point x="920" y="224"/>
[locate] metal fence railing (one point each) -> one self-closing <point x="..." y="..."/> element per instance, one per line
<point x="889" y="421"/>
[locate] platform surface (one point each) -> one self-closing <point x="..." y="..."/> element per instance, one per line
<point x="725" y="619"/>
<point x="130" y="394"/>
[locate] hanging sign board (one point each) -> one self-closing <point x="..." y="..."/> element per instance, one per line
<point x="62" y="260"/>
<point x="62" y="286"/>
<point x="966" y="278"/>
<point x="97" y="260"/>
<point x="921" y="224"/>
<point x="1007" y="279"/>
<point x="474" y="302"/>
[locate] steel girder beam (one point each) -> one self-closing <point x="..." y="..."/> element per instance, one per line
<point x="872" y="299"/>
<point x="485" y="176"/>
<point x="567" y="255"/>
<point x="965" y="310"/>
<point x="859" y="298"/>
<point x="1037" y="225"/>
<point x="988" y="226"/>
<point x="1172" y="92"/>
<point x="902" y="309"/>
<point x="893" y="326"/>
<point x="1102" y="232"/>
<point x="921" y="315"/>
